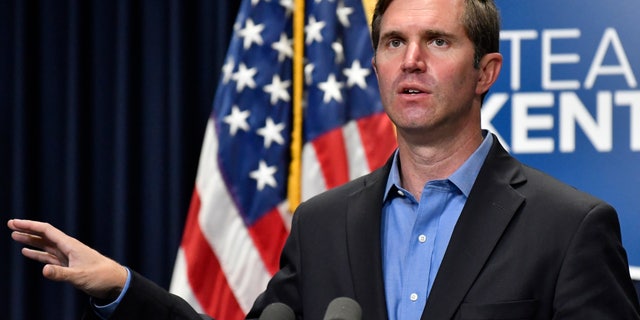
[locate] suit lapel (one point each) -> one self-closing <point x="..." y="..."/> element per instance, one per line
<point x="489" y="209"/>
<point x="363" y="242"/>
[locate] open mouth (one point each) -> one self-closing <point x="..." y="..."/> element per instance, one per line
<point x="412" y="88"/>
<point x="411" y="91"/>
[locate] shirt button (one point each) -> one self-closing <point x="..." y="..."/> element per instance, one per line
<point x="413" y="297"/>
<point x="400" y="193"/>
<point x="422" y="238"/>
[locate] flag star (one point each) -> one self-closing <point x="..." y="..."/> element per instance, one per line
<point x="343" y="14"/>
<point x="288" y="5"/>
<point x="264" y="175"/>
<point x="339" y="51"/>
<point x="251" y="34"/>
<point x="255" y="2"/>
<point x="237" y="120"/>
<point x="271" y="133"/>
<point x="308" y="73"/>
<point x="278" y="89"/>
<point x="314" y="30"/>
<point x="283" y="46"/>
<point x="244" y="77"/>
<point x="227" y="70"/>
<point x="331" y="89"/>
<point x="356" y="75"/>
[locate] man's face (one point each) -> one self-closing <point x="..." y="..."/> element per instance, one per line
<point x="424" y="64"/>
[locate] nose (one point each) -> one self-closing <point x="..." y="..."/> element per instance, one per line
<point x="413" y="59"/>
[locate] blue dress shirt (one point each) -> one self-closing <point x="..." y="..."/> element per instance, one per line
<point x="415" y="235"/>
<point x="105" y="311"/>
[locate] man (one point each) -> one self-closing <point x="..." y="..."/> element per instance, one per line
<point x="452" y="227"/>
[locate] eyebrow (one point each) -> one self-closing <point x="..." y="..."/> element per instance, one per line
<point x="391" y="34"/>
<point x="436" y="33"/>
<point x="428" y="34"/>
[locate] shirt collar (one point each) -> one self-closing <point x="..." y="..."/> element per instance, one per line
<point x="464" y="177"/>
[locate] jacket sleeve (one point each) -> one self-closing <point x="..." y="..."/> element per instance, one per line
<point x="146" y="300"/>
<point x="594" y="280"/>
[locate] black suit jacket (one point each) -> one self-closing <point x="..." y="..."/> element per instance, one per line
<point x="526" y="246"/>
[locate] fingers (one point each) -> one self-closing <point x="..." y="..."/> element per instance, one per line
<point x="55" y="246"/>
<point x="41" y="235"/>
<point x="29" y="239"/>
<point x="37" y="228"/>
<point x="41" y="256"/>
<point x="47" y="251"/>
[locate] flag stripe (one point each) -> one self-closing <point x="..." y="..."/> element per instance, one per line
<point x="207" y="282"/>
<point x="312" y="180"/>
<point x="367" y="143"/>
<point x="354" y="150"/>
<point x="331" y="152"/>
<point x="179" y="278"/>
<point x="269" y="234"/>
<point x="378" y="139"/>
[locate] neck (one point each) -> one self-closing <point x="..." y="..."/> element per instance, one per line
<point x="421" y="163"/>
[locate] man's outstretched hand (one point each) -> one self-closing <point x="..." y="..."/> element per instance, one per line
<point x="67" y="259"/>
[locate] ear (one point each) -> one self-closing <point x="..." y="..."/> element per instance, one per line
<point x="373" y="64"/>
<point x="490" y="66"/>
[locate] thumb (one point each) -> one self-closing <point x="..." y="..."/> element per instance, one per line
<point x="55" y="272"/>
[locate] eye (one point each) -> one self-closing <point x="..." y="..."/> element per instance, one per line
<point x="395" y="43"/>
<point x="439" y="42"/>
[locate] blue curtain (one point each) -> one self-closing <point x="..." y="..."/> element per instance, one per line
<point x="103" y="110"/>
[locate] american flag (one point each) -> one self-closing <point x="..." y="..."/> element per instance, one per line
<point x="240" y="214"/>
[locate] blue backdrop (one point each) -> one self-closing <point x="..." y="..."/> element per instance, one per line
<point x="567" y="101"/>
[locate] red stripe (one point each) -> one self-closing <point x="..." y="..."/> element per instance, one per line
<point x="378" y="139"/>
<point x="269" y="234"/>
<point x="206" y="278"/>
<point x="330" y="150"/>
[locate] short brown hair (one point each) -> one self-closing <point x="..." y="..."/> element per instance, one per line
<point x="481" y="21"/>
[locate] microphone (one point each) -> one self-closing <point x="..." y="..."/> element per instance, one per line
<point x="277" y="311"/>
<point x="343" y="308"/>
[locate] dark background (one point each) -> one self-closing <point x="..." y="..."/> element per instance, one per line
<point x="103" y="110"/>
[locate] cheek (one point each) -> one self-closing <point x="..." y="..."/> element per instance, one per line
<point x="459" y="79"/>
<point x="385" y="82"/>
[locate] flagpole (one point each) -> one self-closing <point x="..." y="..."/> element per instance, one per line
<point x="369" y="6"/>
<point x="294" y="183"/>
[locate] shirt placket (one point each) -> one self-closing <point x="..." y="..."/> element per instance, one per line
<point x="421" y="249"/>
